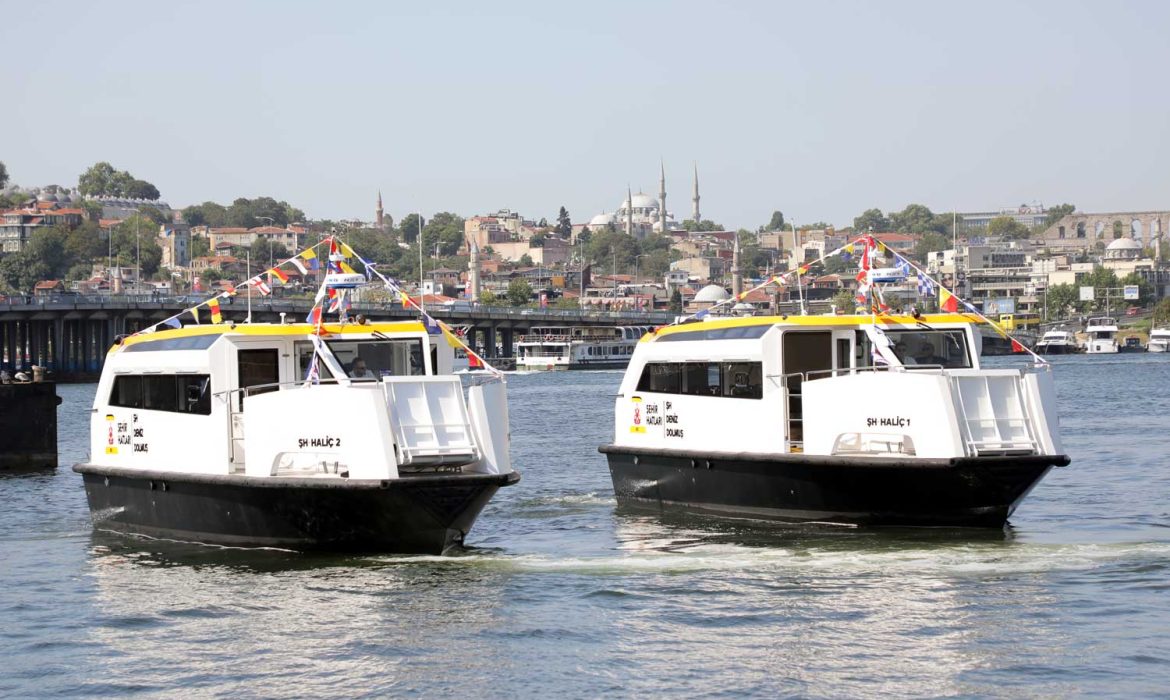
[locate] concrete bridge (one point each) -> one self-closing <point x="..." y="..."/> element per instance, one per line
<point x="70" y="334"/>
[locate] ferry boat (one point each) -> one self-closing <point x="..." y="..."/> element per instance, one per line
<point x="578" y="347"/>
<point x="1057" y="342"/>
<point x="1159" y="340"/>
<point x="1102" y="332"/>
<point x="212" y="433"/>
<point x="836" y="419"/>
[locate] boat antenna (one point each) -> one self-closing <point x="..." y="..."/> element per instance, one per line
<point x="248" y="256"/>
<point x="422" y="297"/>
<point x="799" y="281"/>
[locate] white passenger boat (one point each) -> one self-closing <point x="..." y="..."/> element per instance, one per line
<point x="846" y="419"/>
<point x="1102" y="332"/>
<point x="1057" y="342"/>
<point x="338" y="436"/>
<point x="1159" y="340"/>
<point x="578" y="347"/>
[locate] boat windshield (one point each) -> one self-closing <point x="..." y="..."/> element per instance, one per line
<point x="945" y="348"/>
<point x="373" y="358"/>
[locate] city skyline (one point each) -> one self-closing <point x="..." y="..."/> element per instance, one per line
<point x="820" y="112"/>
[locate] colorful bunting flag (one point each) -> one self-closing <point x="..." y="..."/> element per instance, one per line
<point x="947" y="301"/>
<point x="299" y="265"/>
<point x="195" y="312"/>
<point x="314" y="316"/>
<point x="216" y="316"/>
<point x="925" y="286"/>
<point x="278" y="274"/>
<point x="311" y="258"/>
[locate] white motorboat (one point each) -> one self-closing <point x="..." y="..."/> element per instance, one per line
<point x="337" y="436"/>
<point x="1159" y="340"/>
<point x="1057" y="342"/>
<point x="884" y="420"/>
<point x="1102" y="332"/>
<point x="578" y="347"/>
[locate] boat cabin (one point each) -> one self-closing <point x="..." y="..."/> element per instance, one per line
<point x="827" y="385"/>
<point x="359" y="401"/>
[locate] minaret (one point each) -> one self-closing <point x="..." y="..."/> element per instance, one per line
<point x="736" y="277"/>
<point x="662" y="198"/>
<point x="473" y="272"/>
<point x="378" y="213"/>
<point x="695" y="198"/>
<point x="629" y="211"/>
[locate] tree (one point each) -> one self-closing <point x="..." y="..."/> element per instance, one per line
<point x="930" y="243"/>
<point x="564" y="224"/>
<point x="676" y="304"/>
<point x="519" y="292"/>
<point x="409" y="226"/>
<point x="3" y="174"/>
<point x="48" y="246"/>
<point x="704" y="225"/>
<point x="916" y="218"/>
<point x="1161" y="314"/>
<point x="1007" y="227"/>
<point x="871" y="220"/>
<point x="200" y="246"/>
<point x="444" y="229"/>
<point x="525" y="261"/>
<point x="844" y="301"/>
<point x="1060" y="299"/>
<point x="101" y="179"/>
<point x="1057" y="213"/>
<point x="20" y="271"/>
<point x="776" y="223"/>
<point x="264" y="249"/>
<point x="488" y="298"/>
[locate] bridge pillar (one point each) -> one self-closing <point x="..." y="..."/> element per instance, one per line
<point x="489" y="341"/>
<point x="508" y="343"/>
<point x="60" y="349"/>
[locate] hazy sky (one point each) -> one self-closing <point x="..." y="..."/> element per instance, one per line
<point x="819" y="109"/>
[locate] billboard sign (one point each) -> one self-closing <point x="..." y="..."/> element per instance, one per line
<point x="1005" y="305"/>
<point x="1087" y="294"/>
<point x="1132" y="292"/>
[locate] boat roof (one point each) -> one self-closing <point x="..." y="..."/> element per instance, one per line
<point x="817" y="321"/>
<point x="254" y="330"/>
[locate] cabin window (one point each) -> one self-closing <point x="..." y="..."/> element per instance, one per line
<point x="937" y="348"/>
<point x="742" y="380"/>
<point x="382" y="358"/>
<point x="257" y="368"/>
<point x="174" y="393"/>
<point x="304" y="352"/>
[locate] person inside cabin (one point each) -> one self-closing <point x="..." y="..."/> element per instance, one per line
<point x="358" y="370"/>
<point x="924" y="354"/>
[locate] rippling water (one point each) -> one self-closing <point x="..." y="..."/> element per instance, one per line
<point x="561" y="594"/>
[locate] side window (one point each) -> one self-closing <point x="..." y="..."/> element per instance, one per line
<point x="173" y="393"/>
<point x="728" y="379"/>
<point x="127" y="392"/>
<point x="660" y="377"/>
<point x="744" y="380"/>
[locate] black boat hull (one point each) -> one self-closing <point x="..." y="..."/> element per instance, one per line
<point x="1055" y="350"/>
<point x="968" y="492"/>
<point x="413" y="514"/>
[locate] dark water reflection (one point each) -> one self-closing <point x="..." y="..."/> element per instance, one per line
<point x="562" y="593"/>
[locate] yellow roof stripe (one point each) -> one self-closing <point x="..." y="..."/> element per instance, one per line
<point x="272" y="329"/>
<point x="820" y="321"/>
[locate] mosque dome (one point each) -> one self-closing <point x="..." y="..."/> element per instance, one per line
<point x="1124" y="244"/>
<point x="1123" y="249"/>
<point x="601" y="220"/>
<point x="641" y="201"/>
<point x="46" y="196"/>
<point x="711" y="294"/>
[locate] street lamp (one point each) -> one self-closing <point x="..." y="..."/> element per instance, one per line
<point x="637" y="286"/>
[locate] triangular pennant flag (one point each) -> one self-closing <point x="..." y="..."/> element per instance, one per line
<point x="278" y="274"/>
<point x="195" y="312"/>
<point x="299" y="265"/>
<point x="216" y="316"/>
<point x="311" y="258"/>
<point x="1017" y="347"/>
<point x="172" y="322"/>
<point x="314" y="316"/>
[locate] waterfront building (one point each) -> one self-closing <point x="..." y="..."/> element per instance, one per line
<point x="1030" y="215"/>
<point x="175" y="241"/>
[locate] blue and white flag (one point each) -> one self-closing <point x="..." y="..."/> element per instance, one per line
<point x="925" y="286"/>
<point x="172" y="322"/>
<point x="903" y="265"/>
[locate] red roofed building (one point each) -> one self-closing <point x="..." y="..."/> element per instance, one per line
<point x="18" y="225"/>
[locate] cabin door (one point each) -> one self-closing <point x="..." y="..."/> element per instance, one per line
<point x="254" y="366"/>
<point x="804" y="352"/>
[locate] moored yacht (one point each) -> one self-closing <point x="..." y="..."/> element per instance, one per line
<point x="1057" y="342"/>
<point x="1159" y="340"/>
<point x="578" y="347"/>
<point x="885" y="420"/>
<point x="1102" y="332"/>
